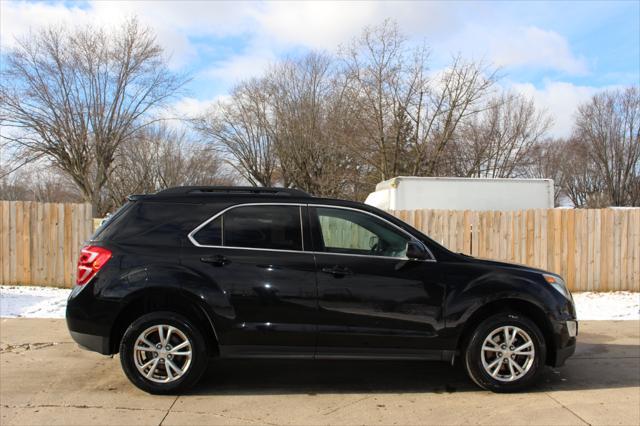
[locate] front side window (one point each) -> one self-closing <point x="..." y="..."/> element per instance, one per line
<point x="264" y="227"/>
<point x="352" y="232"/>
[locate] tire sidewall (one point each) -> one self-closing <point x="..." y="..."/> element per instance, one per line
<point x="473" y="360"/>
<point x="198" y="349"/>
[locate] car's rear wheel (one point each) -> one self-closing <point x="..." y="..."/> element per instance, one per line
<point x="505" y="353"/>
<point x="163" y="352"/>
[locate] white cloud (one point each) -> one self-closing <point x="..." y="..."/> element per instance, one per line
<point x="274" y="26"/>
<point x="327" y="24"/>
<point x="319" y="25"/>
<point x="450" y="28"/>
<point x="173" y="22"/>
<point x="242" y="66"/>
<point x="18" y="18"/>
<point x="279" y="25"/>
<point x="189" y="107"/>
<point x="514" y="48"/>
<point x="534" y="47"/>
<point x="178" y="114"/>
<point x="560" y="100"/>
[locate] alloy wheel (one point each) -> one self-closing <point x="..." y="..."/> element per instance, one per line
<point x="162" y="353"/>
<point x="507" y="353"/>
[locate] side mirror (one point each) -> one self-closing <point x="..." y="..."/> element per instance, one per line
<point x="416" y="250"/>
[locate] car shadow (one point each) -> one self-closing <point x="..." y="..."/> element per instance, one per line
<point x="594" y="366"/>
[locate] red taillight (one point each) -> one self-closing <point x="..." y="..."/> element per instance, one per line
<point x="91" y="260"/>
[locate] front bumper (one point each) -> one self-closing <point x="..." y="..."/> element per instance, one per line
<point x="566" y="333"/>
<point x="564" y="353"/>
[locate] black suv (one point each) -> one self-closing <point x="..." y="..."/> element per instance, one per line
<point x="188" y="273"/>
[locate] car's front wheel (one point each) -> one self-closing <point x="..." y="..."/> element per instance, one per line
<point x="505" y="353"/>
<point x="163" y="352"/>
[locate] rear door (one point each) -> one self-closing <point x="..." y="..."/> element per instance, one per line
<point x="372" y="299"/>
<point x="255" y="253"/>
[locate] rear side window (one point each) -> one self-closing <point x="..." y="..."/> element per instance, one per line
<point x="110" y="220"/>
<point x="263" y="227"/>
<point x="211" y="233"/>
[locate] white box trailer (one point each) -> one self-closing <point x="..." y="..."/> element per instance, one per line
<point x="453" y="193"/>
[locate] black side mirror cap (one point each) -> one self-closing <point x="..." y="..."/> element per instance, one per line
<point x="416" y="250"/>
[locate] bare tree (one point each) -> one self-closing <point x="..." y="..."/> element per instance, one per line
<point x="458" y="95"/>
<point x="287" y="127"/>
<point x="240" y="127"/>
<point x="609" y="126"/>
<point x="500" y="141"/>
<point x="159" y="157"/>
<point x="77" y="95"/>
<point x="407" y="116"/>
<point x="582" y="182"/>
<point x="311" y="117"/>
<point x="547" y="161"/>
<point x="385" y="79"/>
<point x="38" y="181"/>
<point x="336" y="127"/>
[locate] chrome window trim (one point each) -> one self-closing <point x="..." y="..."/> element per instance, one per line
<point x="411" y="237"/>
<point x="404" y="258"/>
<point x="221" y="230"/>
<point x="301" y="227"/>
<point x="256" y="248"/>
<point x="191" y="234"/>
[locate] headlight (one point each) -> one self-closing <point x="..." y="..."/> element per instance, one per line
<point x="557" y="283"/>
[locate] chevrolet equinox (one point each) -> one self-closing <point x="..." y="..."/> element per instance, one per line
<point x="174" y="278"/>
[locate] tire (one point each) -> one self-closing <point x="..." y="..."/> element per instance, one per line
<point x="511" y="371"/>
<point x="160" y="364"/>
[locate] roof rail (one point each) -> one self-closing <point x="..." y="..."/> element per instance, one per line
<point x="185" y="190"/>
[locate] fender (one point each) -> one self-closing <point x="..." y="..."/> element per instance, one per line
<point x="491" y="287"/>
<point x="197" y="288"/>
<point x="170" y="280"/>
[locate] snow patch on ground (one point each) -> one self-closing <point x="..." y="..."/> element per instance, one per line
<point x="33" y="302"/>
<point x="619" y="305"/>
<point x="47" y="302"/>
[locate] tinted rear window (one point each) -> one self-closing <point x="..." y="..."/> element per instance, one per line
<point x="110" y="220"/>
<point x="265" y="227"/>
<point x="211" y="233"/>
<point x="270" y="227"/>
<point x="155" y="223"/>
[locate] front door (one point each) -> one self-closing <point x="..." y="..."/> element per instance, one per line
<point x="255" y="255"/>
<point x="372" y="299"/>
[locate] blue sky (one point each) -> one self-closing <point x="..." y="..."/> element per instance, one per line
<point x="558" y="53"/>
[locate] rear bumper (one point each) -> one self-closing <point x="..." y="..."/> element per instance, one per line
<point x="89" y="320"/>
<point x="91" y="342"/>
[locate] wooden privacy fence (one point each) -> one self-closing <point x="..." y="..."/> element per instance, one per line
<point x="594" y="250"/>
<point x="40" y="242"/>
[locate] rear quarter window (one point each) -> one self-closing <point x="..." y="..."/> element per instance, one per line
<point x="155" y="223"/>
<point x="110" y="220"/>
